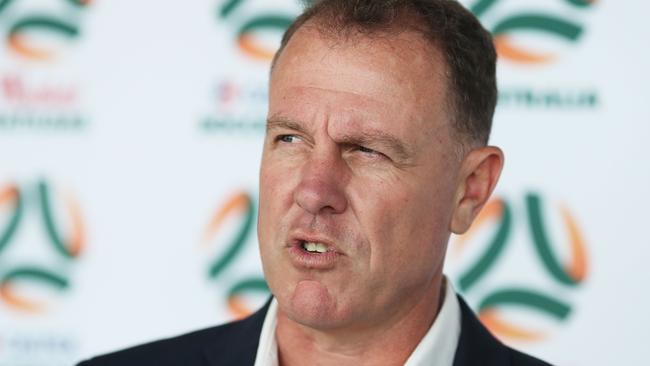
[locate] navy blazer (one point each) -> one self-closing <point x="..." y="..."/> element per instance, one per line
<point x="235" y="344"/>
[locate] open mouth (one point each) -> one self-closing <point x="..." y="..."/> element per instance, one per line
<point x="314" y="254"/>
<point x="314" y="247"/>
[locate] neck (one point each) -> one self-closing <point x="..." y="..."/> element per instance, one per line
<point x="390" y="341"/>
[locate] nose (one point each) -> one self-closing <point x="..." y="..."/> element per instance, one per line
<point x="321" y="188"/>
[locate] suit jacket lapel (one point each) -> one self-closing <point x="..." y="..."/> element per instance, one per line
<point x="239" y="347"/>
<point x="476" y="346"/>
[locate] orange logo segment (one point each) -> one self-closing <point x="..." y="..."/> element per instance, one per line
<point x="78" y="234"/>
<point x="238" y="307"/>
<point x="500" y="327"/>
<point x="11" y="298"/>
<point x="9" y="194"/>
<point x="238" y="203"/>
<point x="506" y="49"/>
<point x="20" y="45"/>
<point x="250" y="47"/>
<point x="577" y="267"/>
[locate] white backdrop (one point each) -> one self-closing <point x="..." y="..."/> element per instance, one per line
<point x="130" y="136"/>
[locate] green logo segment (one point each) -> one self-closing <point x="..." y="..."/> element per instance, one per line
<point x="11" y="196"/>
<point x="571" y="274"/>
<point x="494" y="210"/>
<point x="535" y="301"/>
<point x="553" y="26"/>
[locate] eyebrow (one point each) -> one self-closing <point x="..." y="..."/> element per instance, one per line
<point x="282" y="122"/>
<point x="371" y="137"/>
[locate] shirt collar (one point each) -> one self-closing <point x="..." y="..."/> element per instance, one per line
<point x="267" y="350"/>
<point x="439" y="344"/>
<point x="437" y="347"/>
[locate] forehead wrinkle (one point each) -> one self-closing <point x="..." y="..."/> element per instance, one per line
<point x="374" y="59"/>
<point x="330" y="96"/>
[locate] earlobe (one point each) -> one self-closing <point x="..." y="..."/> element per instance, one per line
<point x="479" y="173"/>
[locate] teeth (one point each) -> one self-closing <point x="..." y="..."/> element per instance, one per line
<point x="315" y="247"/>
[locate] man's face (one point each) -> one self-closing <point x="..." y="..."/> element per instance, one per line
<point x="358" y="162"/>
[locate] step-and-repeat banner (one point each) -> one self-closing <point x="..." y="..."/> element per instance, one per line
<point x="130" y="140"/>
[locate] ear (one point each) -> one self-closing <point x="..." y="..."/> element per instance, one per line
<point x="479" y="173"/>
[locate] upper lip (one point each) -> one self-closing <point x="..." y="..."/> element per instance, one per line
<point x="299" y="237"/>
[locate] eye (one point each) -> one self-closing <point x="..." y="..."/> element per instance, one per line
<point x="369" y="153"/>
<point x="366" y="150"/>
<point x="289" y="139"/>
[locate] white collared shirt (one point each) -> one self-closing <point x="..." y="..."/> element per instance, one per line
<point x="437" y="347"/>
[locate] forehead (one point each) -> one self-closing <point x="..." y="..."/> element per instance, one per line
<point x="375" y="78"/>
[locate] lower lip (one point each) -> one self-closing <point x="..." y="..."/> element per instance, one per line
<point x="304" y="259"/>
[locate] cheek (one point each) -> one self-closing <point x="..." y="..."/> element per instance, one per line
<point x="275" y="200"/>
<point x="274" y="193"/>
<point x="272" y="196"/>
<point x="406" y="229"/>
<point x="276" y="185"/>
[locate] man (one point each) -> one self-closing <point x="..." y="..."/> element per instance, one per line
<point x="375" y="152"/>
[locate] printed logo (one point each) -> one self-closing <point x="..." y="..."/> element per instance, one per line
<point x="538" y="33"/>
<point x="240" y="107"/>
<point x="503" y="299"/>
<point x="241" y="207"/>
<point x="511" y="26"/>
<point x="30" y="276"/>
<point x="39" y="105"/>
<point x="239" y="103"/>
<point x="42" y="97"/>
<point x="28" y="34"/>
<point x="253" y="30"/>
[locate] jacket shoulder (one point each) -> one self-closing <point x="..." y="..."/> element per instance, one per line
<point x="477" y="346"/>
<point x="233" y="343"/>
<point x="186" y="349"/>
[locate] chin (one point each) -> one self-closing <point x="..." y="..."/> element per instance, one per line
<point x="311" y="304"/>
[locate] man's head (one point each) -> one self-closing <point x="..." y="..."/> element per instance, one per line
<point x="469" y="55"/>
<point x="379" y="112"/>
